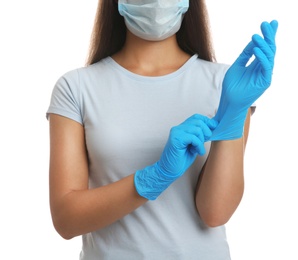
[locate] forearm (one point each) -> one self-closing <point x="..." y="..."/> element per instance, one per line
<point x="221" y="184"/>
<point x="80" y="212"/>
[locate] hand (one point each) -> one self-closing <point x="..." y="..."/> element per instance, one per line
<point x="243" y="85"/>
<point x="185" y="142"/>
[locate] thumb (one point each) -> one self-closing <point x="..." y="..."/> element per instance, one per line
<point x="245" y="56"/>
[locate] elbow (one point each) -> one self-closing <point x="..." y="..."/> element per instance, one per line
<point x="214" y="216"/>
<point x="63" y="220"/>
<point x="65" y="235"/>
<point x="63" y="229"/>
<point x="63" y="232"/>
<point x="213" y="220"/>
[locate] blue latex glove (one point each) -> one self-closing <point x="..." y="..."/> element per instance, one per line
<point x="243" y="85"/>
<point x="185" y="142"/>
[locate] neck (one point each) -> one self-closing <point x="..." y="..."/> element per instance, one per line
<point x="151" y="58"/>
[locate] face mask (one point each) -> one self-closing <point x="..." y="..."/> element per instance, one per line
<point x="153" y="20"/>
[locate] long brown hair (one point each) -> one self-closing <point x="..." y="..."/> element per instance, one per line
<point x="109" y="32"/>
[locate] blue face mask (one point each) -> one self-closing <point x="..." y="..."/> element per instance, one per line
<point x="153" y="20"/>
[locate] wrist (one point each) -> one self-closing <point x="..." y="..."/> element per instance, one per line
<point x="230" y="126"/>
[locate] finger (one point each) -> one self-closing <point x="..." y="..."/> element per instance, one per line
<point x="211" y="123"/>
<point x="197" y="147"/>
<point x="183" y="136"/>
<point x="269" y="32"/>
<point x="268" y="50"/>
<point x="184" y="140"/>
<point x="245" y="56"/>
<point x="270" y="28"/>
<point x="274" y="25"/>
<point x="192" y="130"/>
<point x="201" y="130"/>
<point x="265" y="63"/>
<point x="196" y="119"/>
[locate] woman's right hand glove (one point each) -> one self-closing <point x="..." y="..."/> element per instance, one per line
<point x="185" y="142"/>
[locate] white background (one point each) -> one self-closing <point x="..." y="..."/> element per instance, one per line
<point x="41" y="40"/>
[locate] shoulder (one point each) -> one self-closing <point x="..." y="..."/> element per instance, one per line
<point x="78" y="78"/>
<point x="86" y="71"/>
<point x="212" y="67"/>
<point x="209" y="74"/>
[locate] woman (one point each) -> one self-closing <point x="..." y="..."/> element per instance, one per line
<point x="147" y="141"/>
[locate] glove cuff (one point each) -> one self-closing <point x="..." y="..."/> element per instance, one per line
<point x="230" y="127"/>
<point x="150" y="182"/>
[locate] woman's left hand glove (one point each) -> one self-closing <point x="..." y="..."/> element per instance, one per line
<point x="243" y="85"/>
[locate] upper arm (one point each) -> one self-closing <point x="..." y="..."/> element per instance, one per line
<point x="68" y="158"/>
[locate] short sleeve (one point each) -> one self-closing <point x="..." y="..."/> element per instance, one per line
<point x="65" y="99"/>
<point x="253" y="108"/>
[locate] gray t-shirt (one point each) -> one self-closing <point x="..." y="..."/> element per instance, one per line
<point x="127" y="119"/>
